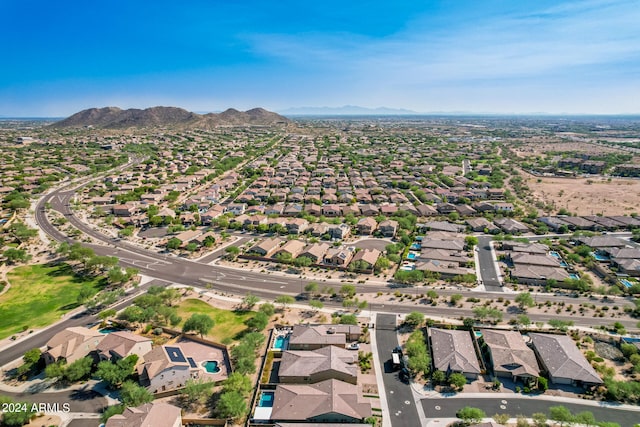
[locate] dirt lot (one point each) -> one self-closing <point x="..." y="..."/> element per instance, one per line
<point x="538" y="147"/>
<point x="588" y="196"/>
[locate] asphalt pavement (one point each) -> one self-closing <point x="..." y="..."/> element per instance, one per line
<point x="448" y="406"/>
<point x="488" y="272"/>
<point x="402" y="409"/>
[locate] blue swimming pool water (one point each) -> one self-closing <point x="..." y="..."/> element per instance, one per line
<point x="626" y="283"/>
<point x="574" y="275"/>
<point x="108" y="330"/>
<point x="478" y="334"/>
<point x="554" y="254"/>
<point x="266" y="399"/>
<point x="600" y="257"/>
<point x="411" y="255"/>
<point x="211" y="366"/>
<point x="279" y="342"/>
<point x="563" y="264"/>
<point x="415" y="247"/>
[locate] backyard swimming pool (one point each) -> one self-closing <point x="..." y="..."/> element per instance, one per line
<point x="211" y="366"/>
<point x="108" y="330"/>
<point x="626" y="283"/>
<point x="412" y="255"/>
<point x="266" y="399"/>
<point x="280" y="343"/>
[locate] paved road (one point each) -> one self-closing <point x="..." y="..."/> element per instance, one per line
<point x="488" y="272"/>
<point x="523" y="406"/>
<point x="402" y="410"/>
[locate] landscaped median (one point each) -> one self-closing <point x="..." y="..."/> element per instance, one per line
<point x="40" y="294"/>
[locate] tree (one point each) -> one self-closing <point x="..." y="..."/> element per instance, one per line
<point x="316" y="304"/>
<point x="348" y="319"/>
<point x="114" y="374"/>
<point x="311" y="288"/>
<point x="539" y="419"/>
<point x="250" y="300"/>
<point x="470" y="241"/>
<point x="438" y="377"/>
<point x="457" y="381"/>
<point x="284" y="300"/>
<point x="84" y="294"/>
<point x="455" y="299"/>
<point x="258" y="322"/>
<point x="585" y="418"/>
<point x="79" y="369"/>
<point x="14" y="255"/>
<point x="132" y="394"/>
<point x="32" y="356"/>
<point x="523" y="320"/>
<point x="231" y="405"/>
<point x="470" y="415"/>
<point x="268" y="309"/>
<point x="198" y="322"/>
<point x="174" y="243"/>
<point x="348" y="291"/>
<point x="414" y="319"/>
<point x="111" y="411"/>
<point x="54" y="370"/>
<point x="196" y="390"/>
<point x="238" y="382"/>
<point x="302" y="261"/>
<point x="525" y="300"/>
<point x="17" y="417"/>
<point x="105" y="314"/>
<point x="560" y="414"/>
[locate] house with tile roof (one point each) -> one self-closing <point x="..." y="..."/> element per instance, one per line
<point x="562" y="361"/>
<point x="453" y="351"/>
<point x="309" y="367"/>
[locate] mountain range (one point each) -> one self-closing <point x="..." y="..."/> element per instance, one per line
<point x="346" y="110"/>
<point x="116" y="118"/>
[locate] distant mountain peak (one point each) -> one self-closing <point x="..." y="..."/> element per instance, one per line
<point x="346" y="110"/>
<point x="116" y="118"/>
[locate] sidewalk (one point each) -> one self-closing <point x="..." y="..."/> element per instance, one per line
<point x="596" y="403"/>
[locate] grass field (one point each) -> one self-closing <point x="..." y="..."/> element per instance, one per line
<point x="39" y="295"/>
<point x="228" y="324"/>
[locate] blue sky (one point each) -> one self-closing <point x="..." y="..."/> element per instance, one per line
<point x="429" y="56"/>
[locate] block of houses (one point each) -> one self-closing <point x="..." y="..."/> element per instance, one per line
<point x="312" y="337"/>
<point x="388" y="228"/>
<point x="315" y="251"/>
<point x="562" y="361"/>
<point x="123" y="210"/>
<point x="148" y="415"/>
<point x="266" y="248"/>
<point x="296" y="225"/>
<point x="366" y="225"/>
<point x="511" y="226"/>
<point x="236" y="208"/>
<point x="602" y="242"/>
<point x="453" y="351"/>
<point x="72" y="344"/>
<point x="118" y="345"/>
<point x="339" y="257"/>
<point x="329" y="401"/>
<point x="291" y="247"/>
<point x="309" y="367"/>
<point x="537" y="274"/>
<point x="366" y="259"/>
<point x="482" y="224"/>
<point x="510" y="356"/>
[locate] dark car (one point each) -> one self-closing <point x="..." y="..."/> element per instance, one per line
<point x="404" y="375"/>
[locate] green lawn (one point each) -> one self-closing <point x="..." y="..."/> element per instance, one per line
<point x="228" y="324"/>
<point x="39" y="295"/>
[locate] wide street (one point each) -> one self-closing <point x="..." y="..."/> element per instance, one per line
<point x="488" y="272"/>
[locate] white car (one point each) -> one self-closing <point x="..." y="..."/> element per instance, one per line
<point x="354" y="346"/>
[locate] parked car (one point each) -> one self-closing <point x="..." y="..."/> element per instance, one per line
<point x="353" y="346"/>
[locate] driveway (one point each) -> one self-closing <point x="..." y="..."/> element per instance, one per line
<point x="402" y="410"/>
<point x="488" y="271"/>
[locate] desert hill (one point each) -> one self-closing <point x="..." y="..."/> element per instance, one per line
<point x="116" y="118"/>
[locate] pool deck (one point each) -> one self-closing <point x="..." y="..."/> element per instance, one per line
<point x="202" y="353"/>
